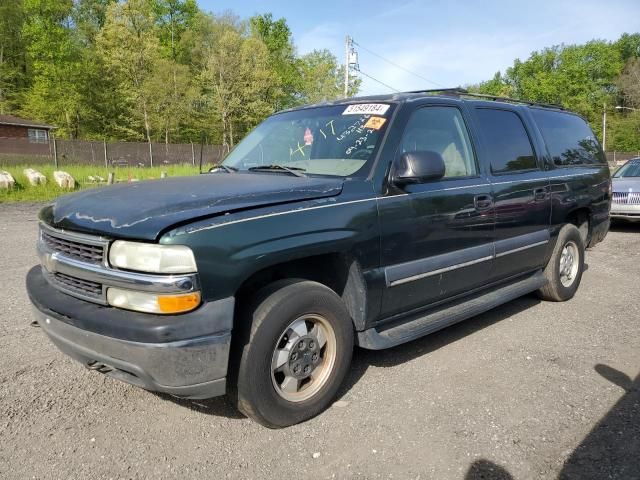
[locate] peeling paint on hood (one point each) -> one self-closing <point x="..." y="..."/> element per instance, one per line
<point x="143" y="210"/>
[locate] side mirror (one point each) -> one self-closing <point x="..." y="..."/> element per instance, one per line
<point x="418" y="167"/>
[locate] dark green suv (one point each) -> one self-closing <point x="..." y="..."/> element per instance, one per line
<point x="367" y="222"/>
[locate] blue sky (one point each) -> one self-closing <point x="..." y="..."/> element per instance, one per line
<point x="448" y="42"/>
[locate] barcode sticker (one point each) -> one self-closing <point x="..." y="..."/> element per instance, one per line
<point x="366" y="109"/>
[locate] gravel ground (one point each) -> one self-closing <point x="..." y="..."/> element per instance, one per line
<point x="528" y="390"/>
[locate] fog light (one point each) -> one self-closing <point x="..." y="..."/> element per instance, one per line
<point x="151" y="302"/>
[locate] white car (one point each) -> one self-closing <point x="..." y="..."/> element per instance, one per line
<point x="625" y="203"/>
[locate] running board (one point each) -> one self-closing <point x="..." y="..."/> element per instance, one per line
<point x="424" y="324"/>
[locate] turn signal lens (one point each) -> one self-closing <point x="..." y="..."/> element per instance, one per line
<point x="178" y="303"/>
<point x="151" y="302"/>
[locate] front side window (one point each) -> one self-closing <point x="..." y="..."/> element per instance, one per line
<point x="441" y="130"/>
<point x="506" y="141"/>
<point x="339" y="140"/>
<point x="568" y="137"/>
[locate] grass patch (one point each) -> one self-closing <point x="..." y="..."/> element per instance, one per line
<point x="25" y="192"/>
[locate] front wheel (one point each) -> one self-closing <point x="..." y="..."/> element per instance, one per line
<point x="296" y="353"/>
<point x="565" y="267"/>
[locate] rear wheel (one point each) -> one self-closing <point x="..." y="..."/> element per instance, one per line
<point x="564" y="270"/>
<point x="296" y="353"/>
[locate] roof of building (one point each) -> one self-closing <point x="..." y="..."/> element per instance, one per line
<point x="22" y="122"/>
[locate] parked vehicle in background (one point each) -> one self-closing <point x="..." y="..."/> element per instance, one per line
<point x="369" y="222"/>
<point x="625" y="203"/>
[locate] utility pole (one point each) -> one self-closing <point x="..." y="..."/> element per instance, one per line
<point x="604" y="128"/>
<point x="347" y="59"/>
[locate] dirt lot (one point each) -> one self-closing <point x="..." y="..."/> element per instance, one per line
<point x="529" y="390"/>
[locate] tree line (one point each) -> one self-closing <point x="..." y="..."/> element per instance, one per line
<point x="164" y="70"/>
<point x="154" y="70"/>
<point x="590" y="79"/>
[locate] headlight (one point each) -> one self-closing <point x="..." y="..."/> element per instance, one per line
<point x="151" y="302"/>
<point x="152" y="258"/>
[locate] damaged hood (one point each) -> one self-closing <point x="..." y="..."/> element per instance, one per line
<point x="143" y="210"/>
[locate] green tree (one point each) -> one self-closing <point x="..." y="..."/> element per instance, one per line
<point x="237" y="81"/>
<point x="322" y="78"/>
<point x="276" y="36"/>
<point x="89" y="17"/>
<point x="171" y="96"/>
<point x="129" y="48"/>
<point x="629" y="83"/>
<point x="174" y="18"/>
<point x="498" y="86"/>
<point x="12" y="58"/>
<point x="629" y="46"/>
<point x="54" y="61"/>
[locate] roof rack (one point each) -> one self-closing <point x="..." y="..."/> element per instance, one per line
<point x="461" y="92"/>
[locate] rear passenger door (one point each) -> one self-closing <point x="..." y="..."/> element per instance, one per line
<point x="520" y="188"/>
<point x="437" y="236"/>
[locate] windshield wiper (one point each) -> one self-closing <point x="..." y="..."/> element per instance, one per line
<point x="226" y="168"/>
<point x="297" y="171"/>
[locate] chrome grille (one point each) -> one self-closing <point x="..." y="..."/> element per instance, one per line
<point x="72" y="248"/>
<point x="626" y="198"/>
<point x="77" y="285"/>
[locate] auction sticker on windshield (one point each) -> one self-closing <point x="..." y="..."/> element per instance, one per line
<point x="375" y="123"/>
<point x="366" y="108"/>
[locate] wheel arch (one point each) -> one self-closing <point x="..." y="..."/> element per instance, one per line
<point x="581" y="218"/>
<point x="340" y="272"/>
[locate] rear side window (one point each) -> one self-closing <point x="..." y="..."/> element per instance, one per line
<point x="507" y="143"/>
<point x="568" y="137"/>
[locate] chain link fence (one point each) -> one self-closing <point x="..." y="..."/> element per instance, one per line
<point x="616" y="159"/>
<point x="18" y="151"/>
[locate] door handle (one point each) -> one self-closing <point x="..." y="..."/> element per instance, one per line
<point x="540" y="194"/>
<point x="482" y="202"/>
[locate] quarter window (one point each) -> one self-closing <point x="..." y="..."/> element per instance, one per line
<point x="569" y="139"/>
<point x="507" y="143"/>
<point x="441" y="130"/>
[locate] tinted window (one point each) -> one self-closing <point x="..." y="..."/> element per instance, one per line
<point x="568" y="137"/>
<point x="441" y="130"/>
<point x="507" y="142"/>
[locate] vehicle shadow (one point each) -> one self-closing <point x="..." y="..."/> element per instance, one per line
<point x="486" y="470"/>
<point x="217" y="406"/>
<point x="626" y="227"/>
<point x="363" y="359"/>
<point x="612" y="448"/>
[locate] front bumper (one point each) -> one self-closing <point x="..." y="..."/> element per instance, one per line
<point x="625" y="212"/>
<point x="158" y="353"/>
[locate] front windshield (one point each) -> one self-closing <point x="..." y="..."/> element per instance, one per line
<point x="628" y="170"/>
<point x="339" y="140"/>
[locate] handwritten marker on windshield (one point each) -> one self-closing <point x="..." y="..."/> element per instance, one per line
<point x="308" y="137"/>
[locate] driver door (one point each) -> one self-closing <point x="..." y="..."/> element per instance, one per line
<point x="437" y="237"/>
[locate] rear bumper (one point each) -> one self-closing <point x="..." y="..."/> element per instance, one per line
<point x="193" y="367"/>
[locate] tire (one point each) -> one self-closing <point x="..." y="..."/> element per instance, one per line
<point x="294" y="353"/>
<point x="564" y="270"/>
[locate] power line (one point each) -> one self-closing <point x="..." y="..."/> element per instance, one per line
<point x="376" y="80"/>
<point x="396" y="65"/>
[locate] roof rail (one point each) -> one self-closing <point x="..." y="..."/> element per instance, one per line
<point x="461" y="92"/>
